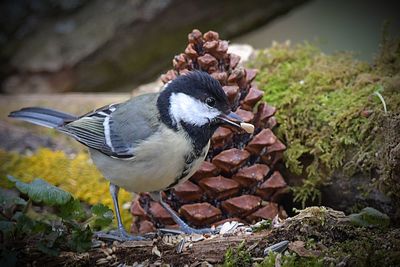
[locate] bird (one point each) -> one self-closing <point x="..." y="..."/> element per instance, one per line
<point x="149" y="143"/>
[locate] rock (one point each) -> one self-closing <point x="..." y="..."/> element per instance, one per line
<point x="102" y="46"/>
<point x="244" y="51"/>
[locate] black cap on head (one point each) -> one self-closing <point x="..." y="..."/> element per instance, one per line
<point x="200" y="85"/>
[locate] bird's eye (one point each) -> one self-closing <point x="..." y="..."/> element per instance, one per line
<point x="210" y="101"/>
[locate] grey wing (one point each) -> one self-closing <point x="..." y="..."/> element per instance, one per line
<point x="114" y="130"/>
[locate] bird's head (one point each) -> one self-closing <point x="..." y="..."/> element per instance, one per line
<point x="196" y="100"/>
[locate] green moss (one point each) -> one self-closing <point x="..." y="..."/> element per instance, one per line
<point x="75" y="174"/>
<point x="330" y="239"/>
<point x="371" y="249"/>
<point x="237" y="257"/>
<point x="289" y="260"/>
<point x="322" y="101"/>
<point x="369" y="217"/>
<point x="362" y="251"/>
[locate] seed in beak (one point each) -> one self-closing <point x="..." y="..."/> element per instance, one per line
<point x="249" y="128"/>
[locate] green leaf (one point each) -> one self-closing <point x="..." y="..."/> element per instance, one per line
<point x="7" y="228"/>
<point x="103" y="216"/>
<point x="29" y="226"/>
<point x="72" y="210"/>
<point x="8" y="198"/>
<point x="41" y="191"/>
<point x="51" y="251"/>
<point x="81" y="239"/>
<point x="100" y="209"/>
<point x="48" y="243"/>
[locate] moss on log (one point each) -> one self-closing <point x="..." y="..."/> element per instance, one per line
<point x="339" y="118"/>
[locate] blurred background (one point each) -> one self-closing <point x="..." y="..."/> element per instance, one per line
<point x="52" y="46"/>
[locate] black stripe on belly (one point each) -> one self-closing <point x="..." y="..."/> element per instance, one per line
<point x="186" y="170"/>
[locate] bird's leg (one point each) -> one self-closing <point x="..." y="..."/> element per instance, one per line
<point x="121" y="234"/>
<point x="182" y="225"/>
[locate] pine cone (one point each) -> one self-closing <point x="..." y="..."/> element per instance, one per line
<point x="238" y="179"/>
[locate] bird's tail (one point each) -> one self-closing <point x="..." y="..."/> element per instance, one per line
<point x="43" y="116"/>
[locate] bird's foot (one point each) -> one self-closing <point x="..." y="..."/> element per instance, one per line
<point x="118" y="235"/>
<point x="186" y="229"/>
<point x="189" y="230"/>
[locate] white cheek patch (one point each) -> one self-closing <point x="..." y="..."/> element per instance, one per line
<point x="190" y="110"/>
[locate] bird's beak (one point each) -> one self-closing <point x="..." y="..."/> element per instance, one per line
<point x="235" y="121"/>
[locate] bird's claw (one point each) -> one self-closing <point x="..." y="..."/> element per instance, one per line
<point x="189" y="230"/>
<point x="118" y="235"/>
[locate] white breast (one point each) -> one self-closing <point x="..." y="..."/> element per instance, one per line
<point x="157" y="163"/>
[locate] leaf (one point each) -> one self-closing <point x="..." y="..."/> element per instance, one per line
<point x="41" y="191"/>
<point x="29" y="226"/>
<point x="72" y="210"/>
<point x="100" y="209"/>
<point x="51" y="251"/>
<point x="8" y="198"/>
<point x="81" y="239"/>
<point x="103" y="215"/>
<point x="7" y="228"/>
<point x="48" y="243"/>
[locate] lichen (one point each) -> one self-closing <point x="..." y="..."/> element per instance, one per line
<point x="327" y="108"/>
<point x="75" y="174"/>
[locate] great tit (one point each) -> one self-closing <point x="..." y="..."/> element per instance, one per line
<point x="151" y="142"/>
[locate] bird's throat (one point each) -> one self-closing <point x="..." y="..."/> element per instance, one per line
<point x="199" y="135"/>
